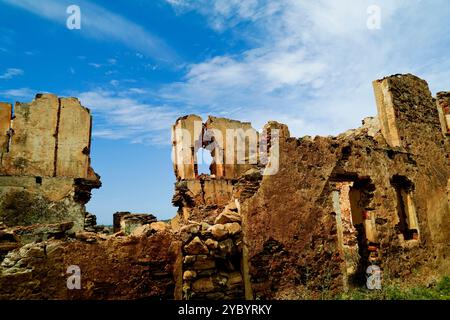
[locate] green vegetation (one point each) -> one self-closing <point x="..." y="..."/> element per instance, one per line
<point x="394" y="291"/>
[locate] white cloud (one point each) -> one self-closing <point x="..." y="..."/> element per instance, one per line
<point x="102" y="24"/>
<point x="118" y="115"/>
<point x="310" y="64"/>
<point x="11" y="73"/>
<point x="95" y="65"/>
<point x="137" y="90"/>
<point x="223" y="14"/>
<point x="22" y="93"/>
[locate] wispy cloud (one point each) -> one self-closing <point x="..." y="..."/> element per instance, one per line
<point x="120" y="115"/>
<point x="310" y="63"/>
<point x="95" y="65"/>
<point x="222" y="14"/>
<point x="100" y="23"/>
<point x="19" y="93"/>
<point x="11" y="73"/>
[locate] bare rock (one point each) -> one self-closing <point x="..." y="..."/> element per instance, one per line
<point x="149" y="229"/>
<point x="234" y="280"/>
<point x="189" y="259"/>
<point x="228" y="216"/>
<point x="212" y="244"/>
<point x="142" y="231"/>
<point x="204" y="262"/>
<point x="188" y="231"/>
<point x="189" y="275"/>
<point x="203" y="285"/>
<point x="196" y="246"/>
<point x="226" y="247"/>
<point x="89" y="237"/>
<point x="41" y="232"/>
<point x="129" y="222"/>
<point x="232" y="206"/>
<point x="219" y="231"/>
<point x="159" y="226"/>
<point x="233" y="228"/>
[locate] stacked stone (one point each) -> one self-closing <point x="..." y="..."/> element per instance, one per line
<point x="8" y="241"/>
<point x="128" y="222"/>
<point x="90" y="222"/>
<point x="212" y="258"/>
<point x="249" y="183"/>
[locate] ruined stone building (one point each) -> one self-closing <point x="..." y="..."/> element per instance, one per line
<point x="290" y="218"/>
<point x="44" y="154"/>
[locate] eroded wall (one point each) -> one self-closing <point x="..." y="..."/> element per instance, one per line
<point x="45" y="174"/>
<point x="300" y="219"/>
<point x="443" y="103"/>
<point x="39" y="265"/>
<point x="376" y="195"/>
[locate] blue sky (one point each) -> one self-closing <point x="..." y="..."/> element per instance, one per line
<point x="138" y="65"/>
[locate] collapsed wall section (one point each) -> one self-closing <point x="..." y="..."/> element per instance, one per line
<point x="33" y="138"/>
<point x="371" y="196"/>
<point x="74" y="139"/>
<point x="40" y="262"/>
<point x="233" y="146"/>
<point x="45" y="165"/>
<point x="419" y="122"/>
<point x="208" y="220"/>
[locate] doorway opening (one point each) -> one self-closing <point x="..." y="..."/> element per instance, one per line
<point x="360" y="195"/>
<point x="356" y="236"/>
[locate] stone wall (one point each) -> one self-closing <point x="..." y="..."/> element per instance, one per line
<point x="228" y="141"/>
<point x="376" y="195"/>
<point x="318" y="237"/>
<point x="212" y="257"/>
<point x="45" y="174"/>
<point x="303" y="221"/>
<point x="443" y="102"/>
<point x="36" y="263"/>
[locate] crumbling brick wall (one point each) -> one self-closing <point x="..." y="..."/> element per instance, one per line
<point x="45" y="173"/>
<point x="373" y="195"/>
<point x="45" y="181"/>
<point x="306" y="223"/>
<point x="304" y="220"/>
<point x="208" y="220"/>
